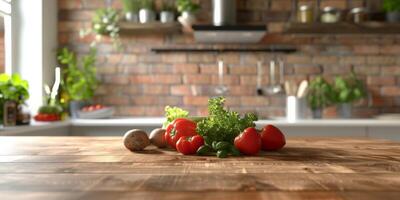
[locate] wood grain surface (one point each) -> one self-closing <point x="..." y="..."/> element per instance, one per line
<point x="101" y="168"/>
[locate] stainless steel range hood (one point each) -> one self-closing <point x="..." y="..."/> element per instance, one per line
<point x="229" y="34"/>
<point x="224" y="28"/>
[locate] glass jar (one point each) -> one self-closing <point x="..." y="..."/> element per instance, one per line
<point x="330" y="15"/>
<point x="358" y="15"/>
<point x="305" y="14"/>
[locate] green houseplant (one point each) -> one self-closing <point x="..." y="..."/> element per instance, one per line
<point x="320" y="95"/>
<point x="347" y="90"/>
<point x="104" y="23"/>
<point x="167" y="14"/>
<point x="12" y="88"/>
<point x="131" y="10"/>
<point x="392" y="9"/>
<point x="187" y="9"/>
<point x="79" y="78"/>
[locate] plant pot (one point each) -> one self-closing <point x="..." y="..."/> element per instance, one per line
<point x="317" y="113"/>
<point x="188" y="17"/>
<point x="146" y="16"/>
<point x="132" y="17"/>
<point x="393" y="17"/>
<point x="344" y="110"/>
<point x="167" y="17"/>
<point x="75" y="107"/>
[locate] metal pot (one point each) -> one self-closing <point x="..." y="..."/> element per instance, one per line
<point x="344" y="110"/>
<point x="167" y="17"/>
<point x="146" y="16"/>
<point x="132" y="17"/>
<point x="317" y="113"/>
<point x="75" y="107"/>
<point x="224" y="12"/>
<point x="393" y="17"/>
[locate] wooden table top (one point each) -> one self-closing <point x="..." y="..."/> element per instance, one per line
<point x="101" y="168"/>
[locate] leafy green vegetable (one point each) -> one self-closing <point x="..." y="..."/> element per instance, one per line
<point x="348" y="89"/>
<point x="221" y="124"/>
<point x="172" y="113"/>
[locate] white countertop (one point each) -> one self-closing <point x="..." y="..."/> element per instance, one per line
<point x="158" y="121"/>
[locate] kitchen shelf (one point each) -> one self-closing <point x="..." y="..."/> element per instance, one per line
<point x="153" y="27"/>
<point x="224" y="48"/>
<point x="343" y="28"/>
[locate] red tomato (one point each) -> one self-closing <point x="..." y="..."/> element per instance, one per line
<point x="189" y="145"/>
<point x="272" y="138"/>
<point x="248" y="142"/>
<point x="179" y="128"/>
<point x="42" y="117"/>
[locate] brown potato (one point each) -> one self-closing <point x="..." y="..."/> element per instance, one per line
<point x="157" y="138"/>
<point x="136" y="140"/>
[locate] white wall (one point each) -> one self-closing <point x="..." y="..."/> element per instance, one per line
<point x="34" y="35"/>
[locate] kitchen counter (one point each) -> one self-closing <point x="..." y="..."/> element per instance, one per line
<point x="101" y="168"/>
<point x="361" y="128"/>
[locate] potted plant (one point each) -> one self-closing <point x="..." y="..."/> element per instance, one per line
<point x="167" y="14"/>
<point x="79" y="78"/>
<point x="13" y="90"/>
<point x="131" y="10"/>
<point x="319" y="96"/>
<point x="392" y="8"/>
<point x="146" y="12"/>
<point x="187" y="9"/>
<point x="104" y="23"/>
<point x="347" y="90"/>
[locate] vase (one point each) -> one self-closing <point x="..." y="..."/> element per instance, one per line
<point x="167" y="17"/>
<point x="146" y="16"/>
<point x="75" y="107"/>
<point x="393" y="17"/>
<point x="317" y="113"/>
<point x="132" y="17"/>
<point x="344" y="110"/>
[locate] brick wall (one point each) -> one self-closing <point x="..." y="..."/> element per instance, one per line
<point x="2" y="49"/>
<point x="140" y="83"/>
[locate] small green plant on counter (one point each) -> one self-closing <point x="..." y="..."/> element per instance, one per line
<point x="320" y="94"/>
<point x="132" y="6"/>
<point x="168" y="6"/>
<point x="391" y="5"/>
<point x="348" y="89"/>
<point x="80" y="80"/>
<point x="13" y="88"/>
<point x="187" y="5"/>
<point x="105" y="23"/>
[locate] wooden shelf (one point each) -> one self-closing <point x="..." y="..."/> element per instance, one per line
<point x="343" y="28"/>
<point x="153" y="27"/>
<point x="224" y="48"/>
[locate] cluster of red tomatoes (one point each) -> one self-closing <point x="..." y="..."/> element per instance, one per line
<point x="181" y="135"/>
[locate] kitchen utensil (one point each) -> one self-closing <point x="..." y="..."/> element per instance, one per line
<point x="275" y="77"/>
<point x="303" y="87"/>
<point x="259" y="78"/>
<point x="221" y="89"/>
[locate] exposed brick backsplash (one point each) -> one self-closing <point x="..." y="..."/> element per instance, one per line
<point x="138" y="82"/>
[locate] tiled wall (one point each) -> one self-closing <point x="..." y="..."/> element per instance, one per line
<point x="139" y="82"/>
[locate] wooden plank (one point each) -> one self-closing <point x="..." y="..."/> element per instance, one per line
<point x="100" y="167"/>
<point x="342" y="28"/>
<point x="154" y="27"/>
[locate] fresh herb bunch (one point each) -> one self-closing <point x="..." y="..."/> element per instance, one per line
<point x="348" y="89"/>
<point x="13" y="88"/>
<point x="80" y="80"/>
<point x="391" y="5"/>
<point x="320" y="93"/>
<point x="131" y="6"/>
<point x="223" y="125"/>
<point x="172" y="113"/>
<point x="187" y="5"/>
